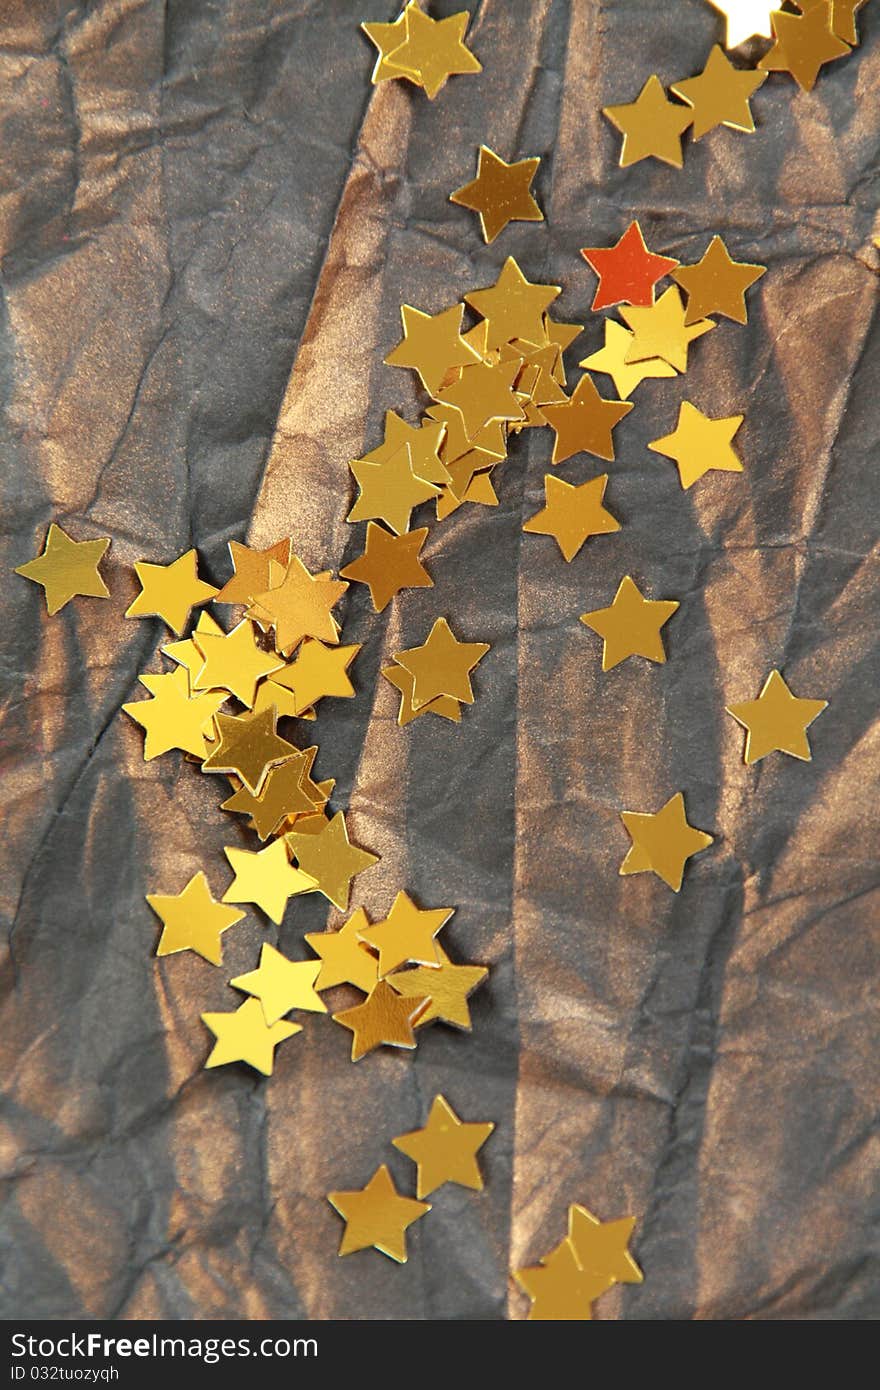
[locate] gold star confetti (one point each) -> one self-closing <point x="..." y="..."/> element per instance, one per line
<point x="717" y="284"/>
<point x="484" y="393"/>
<point x="446" y="986"/>
<point x="170" y="591"/>
<point x="663" y="842"/>
<point x="601" y="1247"/>
<point x="287" y="791"/>
<point x="585" y="423"/>
<point x="234" y="662"/>
<point x="243" y="1036"/>
<point x="172" y="719"/>
<point x="300" y="606"/>
<point x="282" y="985"/>
<point x="67" y="568"/>
<point x="251" y="571"/>
<point x="266" y="878"/>
<point x="193" y="920"/>
<point x="804" y="43"/>
<point x="445" y="705"/>
<point x="611" y="360"/>
<point x="445" y="1150"/>
<point x="513" y="307"/>
<point x="631" y="626"/>
<point x="720" y="95"/>
<point x="388" y="38"/>
<point x="248" y="746"/>
<point x="187" y="652"/>
<point x="330" y="859"/>
<point x="572" y="514"/>
<point x="663" y="330"/>
<point x="424" y="442"/>
<point x="699" y="444"/>
<point x="385" y="1018"/>
<point x="843" y="16"/>
<point x="746" y="19"/>
<point x="777" y="721"/>
<point x="389" y="564"/>
<point x="559" y="1289"/>
<point x="377" y="1216"/>
<point x="442" y="665"/>
<point x="407" y="934"/>
<point x="651" y="126"/>
<point x="318" y="671"/>
<point x="345" y="960"/>
<point x="434" y="49"/>
<point x="500" y="193"/>
<point x="389" y="491"/>
<point x="431" y="345"/>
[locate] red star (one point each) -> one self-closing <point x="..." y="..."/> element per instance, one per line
<point x="628" y="271"/>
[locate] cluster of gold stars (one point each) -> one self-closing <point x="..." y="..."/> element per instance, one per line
<point x="421" y="50"/>
<point x="590" y="1260"/>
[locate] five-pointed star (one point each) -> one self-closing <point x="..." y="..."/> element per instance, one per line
<point x="777" y="721"/>
<point x="389" y="564"/>
<point x="513" y="306"/>
<point x="234" y="662"/>
<point x="746" y="19"/>
<point x="717" y="284"/>
<point x="66" y="568"/>
<point x="720" y="95"/>
<point x="445" y="705"/>
<point x="251" y="571"/>
<point x="585" y="423"/>
<point x="265" y="877"/>
<point x="248" y="745"/>
<point x="483" y="393"/>
<point x="663" y="842"/>
<point x="442" y="665"/>
<point x="804" y="44"/>
<point x="384" y="1018"/>
<point x="699" y="443"/>
<point x="627" y="271"/>
<point x="435" y="48"/>
<point x="287" y="791"/>
<point x="300" y="606"/>
<point x="500" y="193"/>
<point x="424" y="442"/>
<point x="572" y="513"/>
<point x="663" y="330"/>
<point x="330" y="859"/>
<point x="559" y="1289"/>
<point x="244" y="1036"/>
<point x="377" y="1215"/>
<point x="170" y="591"/>
<point x="446" y="986"/>
<point x="650" y="125"/>
<point x="318" y="671"/>
<point x="389" y="491"/>
<point x="611" y="359"/>
<point x="631" y="626"/>
<point x="445" y="1150"/>
<point x="282" y="985"/>
<point x="345" y="960"/>
<point x="171" y="719"/>
<point x="431" y="344"/>
<point x="388" y="38"/>
<point x="193" y="920"/>
<point x="407" y="934"/>
<point x="600" y="1247"/>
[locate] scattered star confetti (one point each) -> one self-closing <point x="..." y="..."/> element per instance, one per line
<point x="447" y="986"/>
<point x="330" y="859"/>
<point x="631" y="626"/>
<point x="446" y="706"/>
<point x="663" y="331"/>
<point x="435" y="49"/>
<point x="572" y="513"/>
<point x="611" y="361"/>
<point x="500" y="193"/>
<point x="300" y="606"/>
<point x="287" y="791"/>
<point x="266" y="878"/>
<point x="663" y="842"/>
<point x="344" y="957"/>
<point x="406" y="934"/>
<point x="445" y="1150"/>
<point x="720" y="95"/>
<point x="513" y="307"/>
<point x="251" y="571"/>
<point x="431" y="346"/>
<point x="282" y="985"/>
<point x="193" y="920"/>
<point x="248" y="746"/>
<point x="627" y="271"/>
<point x="442" y="665"/>
<point x="377" y="1216"/>
<point x="717" y="284"/>
<point x="66" y="568"/>
<point x="385" y="1018"/>
<point x="388" y="38"/>
<point x="699" y="444"/>
<point x="602" y="1247"/>
<point x="390" y="491"/>
<point x="244" y="1036"/>
<point x="170" y="591"/>
<point x="651" y="126"/>
<point x="234" y="662"/>
<point x="318" y="671"/>
<point x="173" y="718"/>
<point x="777" y="721"/>
<point x="559" y="1289"/>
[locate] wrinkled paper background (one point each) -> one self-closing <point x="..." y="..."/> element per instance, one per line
<point x="209" y="218"/>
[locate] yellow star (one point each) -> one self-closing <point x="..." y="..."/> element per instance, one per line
<point x="251" y="571"/>
<point x="282" y="985"/>
<point x="600" y="1247"/>
<point x="316" y="672"/>
<point x="431" y="344"/>
<point x="445" y="1150"/>
<point x="663" y="842"/>
<point x="287" y="791"/>
<point x="389" y="564"/>
<point x="611" y="360"/>
<point x="66" y="568"/>
<point x="746" y="19"/>
<point x="265" y="877"/>
<point x="777" y="721"/>
<point x="804" y="43"/>
<point x="446" y="987"/>
<point x="442" y="665"/>
<point x="345" y="960"/>
<point x="330" y="859"/>
<point x="663" y="330"/>
<point x="377" y="1216"/>
<point x="513" y="307"/>
<point x="484" y="393"/>
<point x="248" y="745"/>
<point x="171" y="719"/>
<point x="585" y="423"/>
<point x="170" y="591"/>
<point x="406" y="934"/>
<point x="559" y="1289"/>
<point x="843" y="16"/>
<point x="651" y="126"/>
<point x="187" y="652"/>
<point x="445" y="705"/>
<point x="631" y="626"/>
<point x="384" y="1018"/>
<point x="720" y="95"/>
<point x="243" y="1036"/>
<point x="300" y="606"/>
<point x="572" y="514"/>
<point x="389" y="491"/>
<point x="699" y="443"/>
<point x="424" y="442"/>
<point x="193" y="920"/>
<point x="500" y="194"/>
<point x="717" y="284"/>
<point x="234" y="662"/>
<point x="435" y="49"/>
<point x="388" y="38"/>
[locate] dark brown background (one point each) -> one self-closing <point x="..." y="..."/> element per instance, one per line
<point x="209" y="216"/>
